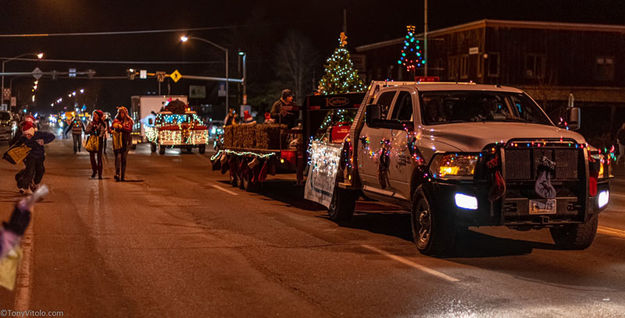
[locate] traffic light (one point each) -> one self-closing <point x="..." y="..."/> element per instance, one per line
<point x="131" y="73"/>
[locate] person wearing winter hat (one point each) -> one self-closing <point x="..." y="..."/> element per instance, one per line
<point x="247" y="118"/>
<point x="123" y="126"/>
<point x="96" y="128"/>
<point x="284" y="110"/>
<point x="27" y="119"/>
<point x="31" y="176"/>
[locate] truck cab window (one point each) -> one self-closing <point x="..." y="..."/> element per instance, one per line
<point x="384" y="101"/>
<point x="403" y="107"/>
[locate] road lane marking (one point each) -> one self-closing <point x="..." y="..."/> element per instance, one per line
<point x="224" y="190"/>
<point x="412" y="264"/>
<point x="611" y="231"/>
<point x="23" y="282"/>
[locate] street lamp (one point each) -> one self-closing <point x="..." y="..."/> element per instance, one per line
<point x="244" y="79"/>
<point x="38" y="55"/>
<point x="185" y="38"/>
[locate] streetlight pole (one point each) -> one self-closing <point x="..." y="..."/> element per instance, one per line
<point x="185" y="38"/>
<point x="244" y="82"/>
<point x="425" y="38"/>
<point x="38" y="55"/>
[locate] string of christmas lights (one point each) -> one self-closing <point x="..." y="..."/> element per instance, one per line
<point x="340" y="76"/>
<point x="411" y="54"/>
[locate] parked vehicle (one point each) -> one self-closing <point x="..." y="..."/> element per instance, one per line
<point x="462" y="154"/>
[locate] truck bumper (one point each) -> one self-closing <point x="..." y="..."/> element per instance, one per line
<point x="459" y="199"/>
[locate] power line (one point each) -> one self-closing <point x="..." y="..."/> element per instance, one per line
<point x="26" y="35"/>
<point x="111" y="61"/>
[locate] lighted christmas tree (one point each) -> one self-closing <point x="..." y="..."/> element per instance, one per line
<point x="340" y="75"/>
<point x="411" y="54"/>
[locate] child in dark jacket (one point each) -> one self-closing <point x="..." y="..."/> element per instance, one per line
<point x="31" y="176"/>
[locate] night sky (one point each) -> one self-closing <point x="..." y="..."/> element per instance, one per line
<point x="253" y="26"/>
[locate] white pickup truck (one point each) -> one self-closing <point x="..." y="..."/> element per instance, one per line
<point x="462" y="154"/>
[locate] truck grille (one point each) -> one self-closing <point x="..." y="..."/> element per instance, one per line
<point x="522" y="164"/>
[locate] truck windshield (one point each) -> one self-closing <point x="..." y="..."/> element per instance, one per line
<point x="478" y="106"/>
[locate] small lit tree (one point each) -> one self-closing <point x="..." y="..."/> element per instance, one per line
<point x="411" y="54"/>
<point x="340" y="76"/>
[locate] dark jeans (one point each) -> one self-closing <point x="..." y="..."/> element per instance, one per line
<point x="120" y="162"/>
<point x="77" y="142"/>
<point x="104" y="144"/>
<point x="96" y="160"/>
<point x="33" y="173"/>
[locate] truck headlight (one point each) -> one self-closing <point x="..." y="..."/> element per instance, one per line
<point x="603" y="199"/>
<point x="454" y="165"/>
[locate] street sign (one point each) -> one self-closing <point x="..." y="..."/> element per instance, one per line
<point x="197" y="91"/>
<point x="13" y="101"/>
<point x="221" y="92"/>
<point x="90" y="73"/>
<point x="143" y="74"/>
<point x="6" y="94"/>
<point x="474" y="50"/>
<point x="72" y="72"/>
<point x="175" y="76"/>
<point x="37" y="73"/>
<point x="161" y="76"/>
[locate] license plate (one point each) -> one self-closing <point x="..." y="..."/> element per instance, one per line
<point x="543" y="206"/>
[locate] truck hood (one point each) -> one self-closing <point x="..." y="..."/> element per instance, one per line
<point x="473" y="137"/>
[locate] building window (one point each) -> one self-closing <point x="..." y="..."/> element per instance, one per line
<point x="604" y="68"/>
<point x="492" y="64"/>
<point x="535" y="65"/>
<point x="464" y="66"/>
<point x="452" y="68"/>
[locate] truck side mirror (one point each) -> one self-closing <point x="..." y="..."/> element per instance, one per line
<point x="372" y="115"/>
<point x="574" y="118"/>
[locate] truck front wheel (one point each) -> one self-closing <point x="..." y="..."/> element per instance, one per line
<point x="575" y="236"/>
<point x="343" y="204"/>
<point x="161" y="149"/>
<point x="152" y="147"/>
<point x="433" y="231"/>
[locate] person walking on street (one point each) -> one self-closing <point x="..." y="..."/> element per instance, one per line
<point x="31" y="176"/>
<point x="620" y="136"/>
<point x="107" y="125"/>
<point x="284" y="110"/>
<point x="77" y="128"/>
<point x="121" y="129"/>
<point x="96" y="128"/>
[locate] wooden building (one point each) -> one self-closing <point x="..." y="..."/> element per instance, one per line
<point x="547" y="59"/>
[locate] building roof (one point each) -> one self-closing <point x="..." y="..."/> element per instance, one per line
<point x="511" y="24"/>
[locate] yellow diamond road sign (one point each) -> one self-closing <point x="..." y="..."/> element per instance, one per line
<point x="176" y="76"/>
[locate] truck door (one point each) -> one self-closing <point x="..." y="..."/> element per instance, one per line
<point x="371" y="145"/>
<point x="400" y="167"/>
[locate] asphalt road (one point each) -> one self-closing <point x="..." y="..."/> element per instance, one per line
<point x="178" y="241"/>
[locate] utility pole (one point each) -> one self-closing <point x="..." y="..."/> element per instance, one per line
<point x="425" y="38"/>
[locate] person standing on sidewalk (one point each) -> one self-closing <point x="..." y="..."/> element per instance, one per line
<point x="620" y="136"/>
<point x="96" y="128"/>
<point x="30" y="177"/>
<point x="121" y="129"/>
<point x="107" y="124"/>
<point x="77" y="128"/>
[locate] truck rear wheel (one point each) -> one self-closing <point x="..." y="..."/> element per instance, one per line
<point x="202" y="149"/>
<point x="152" y="147"/>
<point x="433" y="231"/>
<point x="161" y="149"/>
<point x="343" y="204"/>
<point x="575" y="236"/>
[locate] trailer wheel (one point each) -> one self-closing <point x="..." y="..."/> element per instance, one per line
<point x="161" y="149"/>
<point x="343" y="204"/>
<point x="575" y="236"/>
<point x="133" y="146"/>
<point x="152" y="147"/>
<point x="202" y="149"/>
<point x="433" y="231"/>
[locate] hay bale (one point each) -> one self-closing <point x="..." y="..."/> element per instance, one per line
<point x="228" y="136"/>
<point x="268" y="136"/>
<point x="248" y="135"/>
